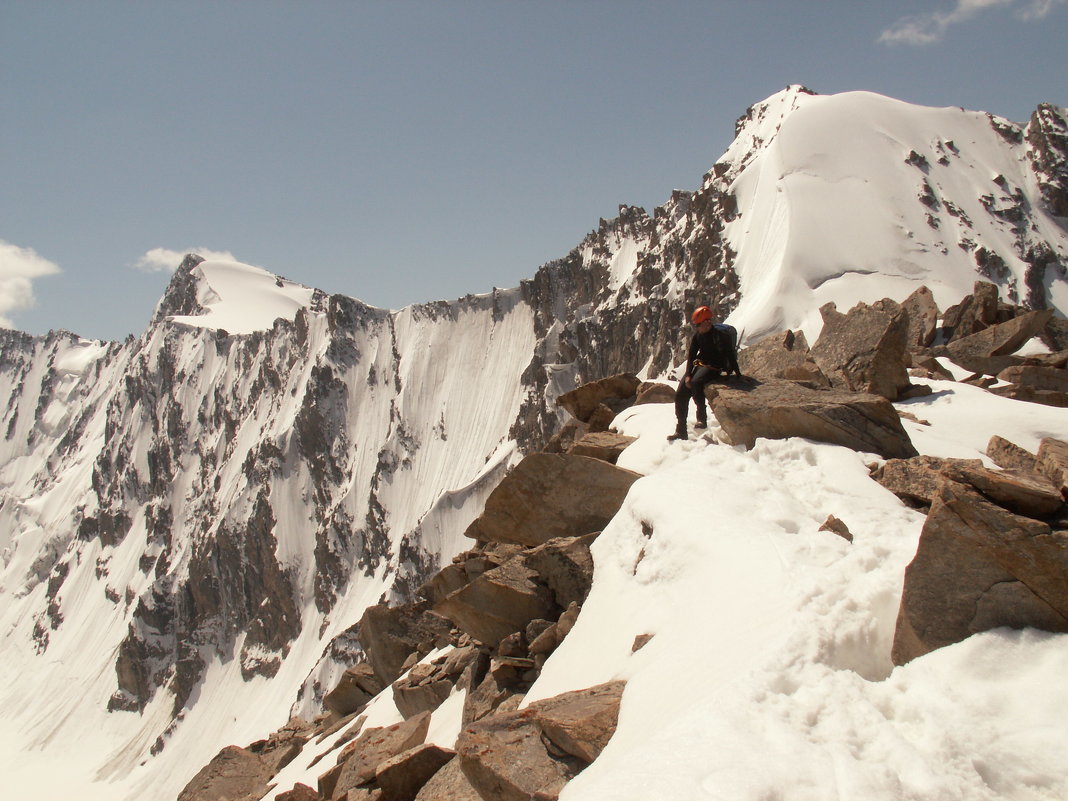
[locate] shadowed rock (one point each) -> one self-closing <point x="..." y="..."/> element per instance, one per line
<point x="777" y="410"/>
<point x="359" y="760"/>
<point x="614" y="393"/>
<point x="402" y="777"/>
<point x="389" y="635"/>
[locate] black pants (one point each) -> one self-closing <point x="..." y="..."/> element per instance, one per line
<point x="702" y="376"/>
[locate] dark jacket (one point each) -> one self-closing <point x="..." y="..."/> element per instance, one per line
<point x="713" y="349"/>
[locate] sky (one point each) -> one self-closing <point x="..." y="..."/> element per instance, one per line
<point x="402" y="152"/>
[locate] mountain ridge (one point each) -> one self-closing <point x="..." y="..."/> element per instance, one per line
<point x="230" y="503"/>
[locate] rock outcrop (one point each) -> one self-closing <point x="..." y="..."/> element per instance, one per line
<point x="993" y="552"/>
<point x="864" y="350"/>
<point x="777" y="410"/>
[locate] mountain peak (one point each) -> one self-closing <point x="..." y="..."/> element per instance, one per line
<point x="228" y="295"/>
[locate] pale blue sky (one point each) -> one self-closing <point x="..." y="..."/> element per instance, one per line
<point x="409" y="151"/>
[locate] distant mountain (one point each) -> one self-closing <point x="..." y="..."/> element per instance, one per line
<point x="192" y="521"/>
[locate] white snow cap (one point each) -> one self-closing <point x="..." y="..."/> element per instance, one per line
<point x="240" y="298"/>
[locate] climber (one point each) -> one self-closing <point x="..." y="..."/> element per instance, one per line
<point x="712" y="355"/>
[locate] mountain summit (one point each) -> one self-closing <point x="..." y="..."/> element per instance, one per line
<point x="193" y="522"/>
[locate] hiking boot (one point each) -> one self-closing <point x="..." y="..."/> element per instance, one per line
<point x="680" y="433"/>
<point x="701" y="424"/>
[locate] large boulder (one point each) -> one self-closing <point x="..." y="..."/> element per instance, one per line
<point x="915" y="481"/>
<point x="1053" y="462"/>
<point x="922" y="312"/>
<point x="977" y="567"/>
<point x="782" y="355"/>
<point x="534" y="752"/>
<point x="614" y="394"/>
<point x="778" y="410"/>
<point x="391" y="634"/>
<point x="565" y="566"/>
<point x="865" y="350"/>
<point x="426" y="686"/>
<point x="603" y="445"/>
<point x="499" y="602"/>
<point x="402" y="777"/>
<point x="990" y="350"/>
<point x="449" y="784"/>
<point x="974" y="313"/>
<point x="359" y="761"/>
<point x="1024" y="492"/>
<point x="244" y="774"/>
<point x="1010" y="456"/>
<point x="357" y="686"/>
<point x="551" y="495"/>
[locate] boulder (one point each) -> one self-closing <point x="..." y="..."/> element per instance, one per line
<point x="925" y="366"/>
<point x="534" y="752"/>
<point x="651" y="392"/>
<point x="864" y="350"/>
<point x="551" y="495"/>
<point x="426" y="686"/>
<point x="582" y="722"/>
<point x="499" y="602"/>
<point x="300" y="792"/>
<point x="449" y="784"/>
<point x="234" y="774"/>
<point x="357" y="686"/>
<point x="783" y="355"/>
<point x="922" y="313"/>
<point x="915" y="481"/>
<point x="979" y="567"/>
<point x="390" y="634"/>
<point x="494" y="693"/>
<point x="1022" y="392"/>
<point x="603" y="445"/>
<point x="564" y="439"/>
<point x="777" y="410"/>
<point x="1048" y="378"/>
<point x="244" y="774"/>
<point x="1025" y="493"/>
<point x="565" y="566"/>
<point x="402" y="777"/>
<point x="360" y="759"/>
<point x="1010" y="456"/>
<point x="1053" y="462"/>
<point x="615" y="393"/>
<point x="974" y="313"/>
<point x="990" y="351"/>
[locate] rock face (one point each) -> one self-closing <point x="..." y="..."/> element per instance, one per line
<point x="782" y="409"/>
<point x="980" y="566"/>
<point x="552" y="495"/>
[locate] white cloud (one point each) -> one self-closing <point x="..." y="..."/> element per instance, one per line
<point x="18" y="269"/>
<point x="159" y="260"/>
<point x="929" y="28"/>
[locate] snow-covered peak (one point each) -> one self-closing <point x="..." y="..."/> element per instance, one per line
<point x="240" y="298"/>
<point x="859" y="197"/>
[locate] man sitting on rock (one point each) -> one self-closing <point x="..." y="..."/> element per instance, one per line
<point x="711" y="356"/>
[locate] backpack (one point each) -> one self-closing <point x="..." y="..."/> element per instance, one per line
<point x="728" y="336"/>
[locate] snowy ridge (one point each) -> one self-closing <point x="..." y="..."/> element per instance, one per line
<point x="192" y="521"/>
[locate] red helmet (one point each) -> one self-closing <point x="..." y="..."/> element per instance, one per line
<point x="703" y="313"/>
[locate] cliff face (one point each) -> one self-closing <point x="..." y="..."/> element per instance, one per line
<point x="199" y="509"/>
